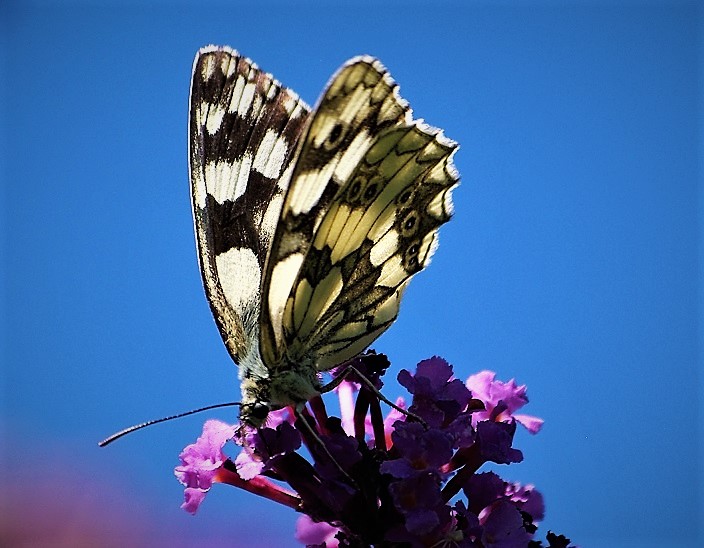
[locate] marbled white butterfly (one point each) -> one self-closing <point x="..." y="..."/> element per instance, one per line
<point x="309" y="223"/>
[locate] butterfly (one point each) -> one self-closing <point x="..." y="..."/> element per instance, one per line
<point x="309" y="223"/>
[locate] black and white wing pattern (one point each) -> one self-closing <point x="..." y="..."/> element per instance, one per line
<point x="309" y="225"/>
<point x="244" y="127"/>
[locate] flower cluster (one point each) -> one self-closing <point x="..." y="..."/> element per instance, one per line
<point x="410" y="479"/>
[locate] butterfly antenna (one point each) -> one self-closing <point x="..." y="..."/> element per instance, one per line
<point x="131" y="429"/>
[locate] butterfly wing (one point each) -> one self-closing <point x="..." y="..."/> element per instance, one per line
<point x="369" y="190"/>
<point x="379" y="231"/>
<point x="244" y="129"/>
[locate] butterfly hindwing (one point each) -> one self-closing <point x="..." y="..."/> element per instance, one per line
<point x="244" y="129"/>
<point x="360" y="102"/>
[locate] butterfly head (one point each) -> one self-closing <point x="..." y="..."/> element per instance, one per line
<point x="256" y="399"/>
<point x="254" y="414"/>
<point x="285" y="386"/>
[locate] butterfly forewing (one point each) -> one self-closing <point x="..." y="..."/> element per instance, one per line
<point x="244" y="129"/>
<point x="360" y="102"/>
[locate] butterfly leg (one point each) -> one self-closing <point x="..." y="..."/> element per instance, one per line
<point x="303" y="420"/>
<point x="369" y="384"/>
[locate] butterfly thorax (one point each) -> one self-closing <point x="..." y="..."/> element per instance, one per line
<point x="265" y="389"/>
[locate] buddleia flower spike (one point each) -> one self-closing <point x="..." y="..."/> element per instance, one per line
<point x="413" y="485"/>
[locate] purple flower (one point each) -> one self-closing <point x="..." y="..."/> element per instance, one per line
<point x="503" y="526"/>
<point x="482" y="490"/>
<point x="312" y="533"/>
<point x="192" y="498"/>
<point x="420" y="450"/>
<point x="437" y="398"/>
<point x="260" y="445"/>
<point x="418" y="499"/>
<point x="502" y="507"/>
<point x="501" y="400"/>
<point x="495" y="439"/>
<point x="202" y="462"/>
<point x="375" y="480"/>
<point x="466" y="530"/>
<point x="527" y="499"/>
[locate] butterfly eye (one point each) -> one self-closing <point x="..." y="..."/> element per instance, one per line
<point x="260" y="411"/>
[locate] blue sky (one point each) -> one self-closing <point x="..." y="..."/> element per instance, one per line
<point x="573" y="263"/>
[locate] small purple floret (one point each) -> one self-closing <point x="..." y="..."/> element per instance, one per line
<point x="502" y="524"/>
<point x="315" y="533"/>
<point x="201" y="461"/>
<point x="437" y="398"/>
<point x="508" y="395"/>
<point x="420" y="450"/>
<point x="495" y="439"/>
